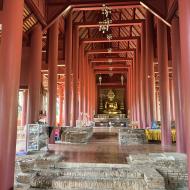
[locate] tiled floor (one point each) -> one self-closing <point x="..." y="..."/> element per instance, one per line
<point x="104" y="148"/>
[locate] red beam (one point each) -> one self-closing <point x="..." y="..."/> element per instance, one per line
<point x="36" y="12"/>
<point x="118" y="23"/>
<point x="111" y="65"/>
<point x="60" y="70"/>
<point x="100" y="40"/>
<point x="98" y="5"/>
<point x="108" y="68"/>
<point x="119" y="59"/>
<point x="105" y="51"/>
<point x="111" y="84"/>
<point x="110" y="72"/>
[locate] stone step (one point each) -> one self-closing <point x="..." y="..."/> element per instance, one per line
<point x="98" y="184"/>
<point x="97" y="178"/>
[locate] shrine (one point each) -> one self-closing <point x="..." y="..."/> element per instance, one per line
<point x="94" y="94"/>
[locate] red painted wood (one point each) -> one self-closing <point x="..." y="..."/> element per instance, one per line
<point x="105" y="51"/>
<point x="81" y="65"/>
<point x="100" y="40"/>
<point x="75" y="75"/>
<point x="150" y="70"/>
<point x="114" y="59"/>
<point x="184" y="17"/>
<point x="137" y="77"/>
<point x="52" y="76"/>
<point x="164" y="83"/>
<point x="109" y="72"/>
<point x="61" y="99"/>
<point x="10" y="64"/>
<point x="143" y="78"/>
<point x="176" y="64"/>
<point x="24" y="107"/>
<point x="34" y="83"/>
<point x="118" y="23"/>
<point x="68" y="67"/>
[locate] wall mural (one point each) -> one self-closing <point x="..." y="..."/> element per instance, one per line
<point x="111" y="101"/>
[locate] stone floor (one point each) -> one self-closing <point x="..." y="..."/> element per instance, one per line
<point x="103" y="164"/>
<point x="104" y="148"/>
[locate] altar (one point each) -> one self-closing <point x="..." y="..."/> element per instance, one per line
<point x="109" y="120"/>
<point x="111" y="108"/>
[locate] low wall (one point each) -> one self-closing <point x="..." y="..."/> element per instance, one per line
<point x="76" y="135"/>
<point x="129" y="136"/>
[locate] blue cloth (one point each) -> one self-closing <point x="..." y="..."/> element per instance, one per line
<point x="154" y="125"/>
<point x="21" y="153"/>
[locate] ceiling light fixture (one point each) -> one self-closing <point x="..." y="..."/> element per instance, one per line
<point x="106" y="19"/>
<point x="122" y="79"/>
<point x="109" y="50"/>
<point x="109" y="60"/>
<point x="100" y="79"/>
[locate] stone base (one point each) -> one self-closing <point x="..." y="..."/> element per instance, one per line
<point x="132" y="136"/>
<point x="76" y="135"/>
<point x="172" y="166"/>
<point x="158" y="171"/>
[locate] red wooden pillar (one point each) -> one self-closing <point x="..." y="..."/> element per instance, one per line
<point x="172" y="105"/>
<point x="134" y="90"/>
<point x="75" y="75"/>
<point x="82" y="82"/>
<point x="131" y="92"/>
<point x="176" y="64"/>
<point x="127" y="96"/>
<point x="35" y="75"/>
<point x="10" y="62"/>
<point x="91" y="92"/>
<point x="143" y="78"/>
<point x="95" y="95"/>
<point x="164" y="83"/>
<point x="60" y="110"/>
<point x="61" y="98"/>
<point x="137" y="83"/>
<point x="130" y="95"/>
<point x="86" y="83"/>
<point x="89" y="103"/>
<point x="68" y="68"/>
<point x="52" y="75"/>
<point x="150" y="70"/>
<point x="184" y="17"/>
<point x="24" y="107"/>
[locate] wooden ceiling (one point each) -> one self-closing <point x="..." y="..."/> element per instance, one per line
<point x="86" y="15"/>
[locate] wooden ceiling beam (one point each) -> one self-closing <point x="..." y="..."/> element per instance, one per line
<point x="110" y="72"/>
<point x="111" y="65"/>
<point x="98" y="6"/>
<point x="105" y="51"/>
<point x="118" y="23"/>
<point x="100" y="40"/>
<point x="110" y="60"/>
<point x="102" y="67"/>
<point x="116" y="84"/>
<point x="36" y="12"/>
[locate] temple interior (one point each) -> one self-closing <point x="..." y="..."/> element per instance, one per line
<point x="94" y="94"/>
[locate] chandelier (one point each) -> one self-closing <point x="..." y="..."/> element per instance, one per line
<point x="110" y="74"/>
<point x="106" y="10"/>
<point x="110" y="60"/>
<point x="109" y="36"/>
<point x="109" y="50"/>
<point x="122" y="79"/>
<point x="106" y="19"/>
<point x="100" y="79"/>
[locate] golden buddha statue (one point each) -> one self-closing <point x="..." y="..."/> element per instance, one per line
<point x="111" y="106"/>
